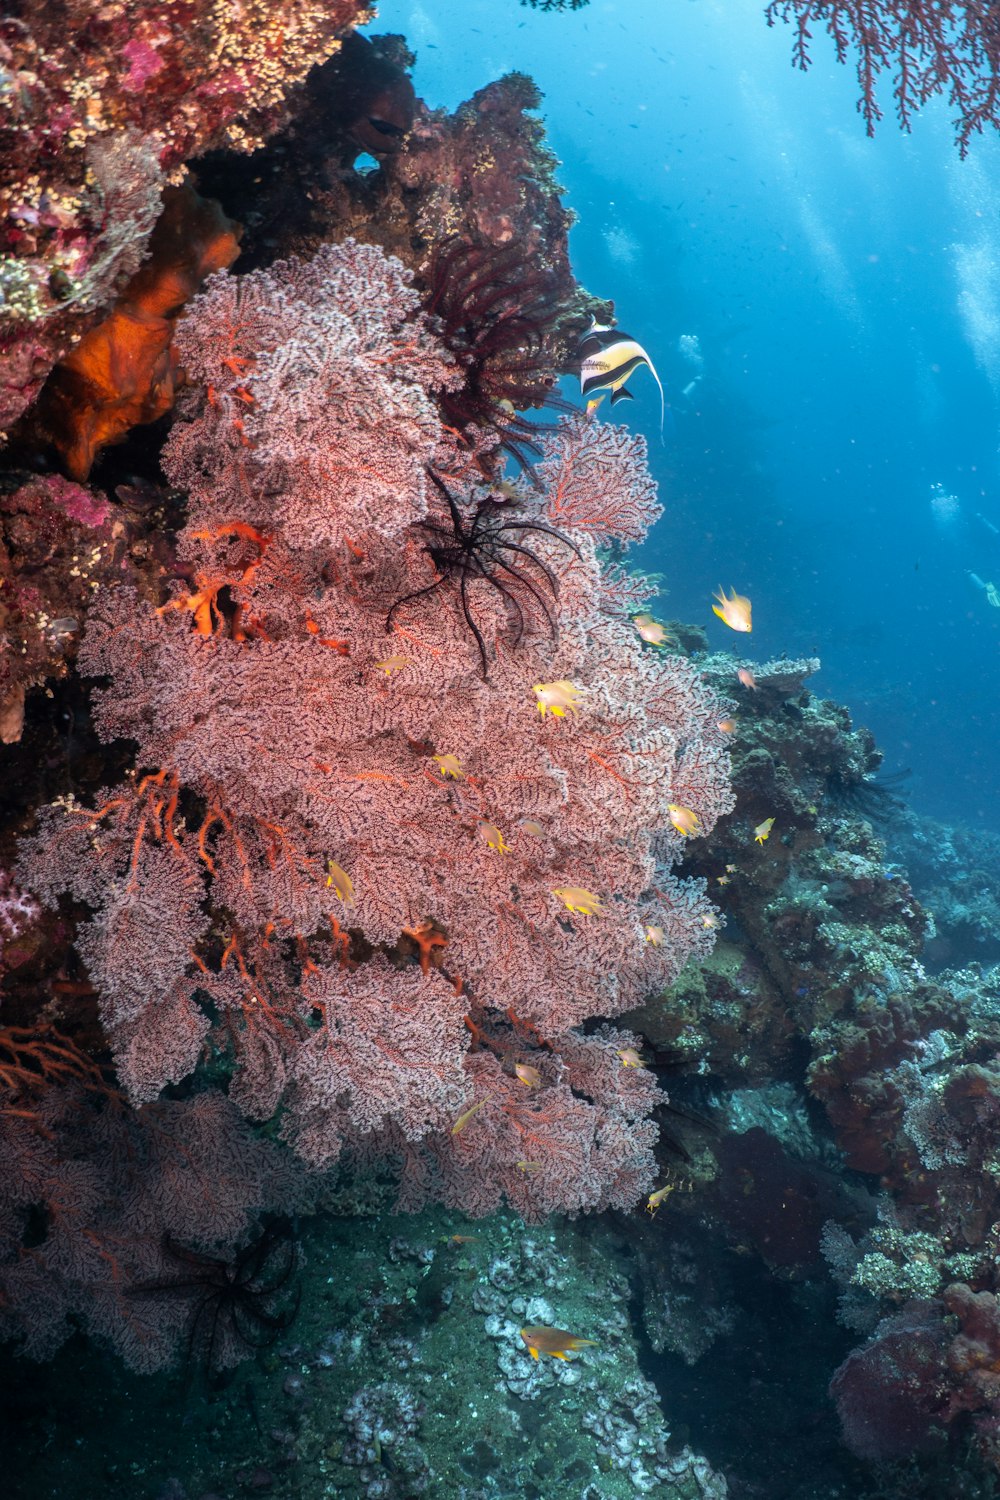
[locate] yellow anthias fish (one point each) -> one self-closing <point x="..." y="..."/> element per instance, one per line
<point x="655" y="936"/>
<point x="655" y="1199"/>
<point x="466" y="1116"/>
<point x="491" y="833"/>
<point x="575" y="898"/>
<point x="711" y="920"/>
<point x="554" y="1341"/>
<point x="652" y="631"/>
<point x="556" y="697"/>
<point x="529" y="1076"/>
<point x="392" y="664"/>
<point x="733" y="611"/>
<point x="747" y="678"/>
<point x="763" y="830"/>
<point x="450" y="766"/>
<point x="727" y="726"/>
<point x="630" y="1058"/>
<point x="532" y="826"/>
<point x="343" y="885"/>
<point x="683" y="819"/>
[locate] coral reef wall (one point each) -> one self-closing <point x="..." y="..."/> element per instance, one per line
<point x="102" y="107"/>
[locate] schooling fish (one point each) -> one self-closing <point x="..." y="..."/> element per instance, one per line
<point x="608" y="356"/>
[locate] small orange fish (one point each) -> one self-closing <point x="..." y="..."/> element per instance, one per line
<point x="392" y="664"/>
<point x="554" y="1341"/>
<point x="630" y="1058"/>
<point x="655" y="936"/>
<point x="466" y="1116"/>
<point x="683" y="819"/>
<point x="655" y="1199"/>
<point x="748" y="679"/>
<point x="461" y="1239"/>
<point x="727" y="726"/>
<point x="494" y="838"/>
<point x="343" y="885"/>
<point x="577" y="899"/>
<point x="763" y="830"/>
<point x="556" y="697"/>
<point x="528" y="1075"/>
<point x="532" y="826"/>
<point x="529" y="1168"/>
<point x="733" y="611"/>
<point x="450" y="766"/>
<point x="653" y="632"/>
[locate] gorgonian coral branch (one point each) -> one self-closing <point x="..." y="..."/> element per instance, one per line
<point x="929" y="49"/>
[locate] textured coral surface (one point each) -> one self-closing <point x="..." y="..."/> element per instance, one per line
<point x="341" y="762"/>
<point x="102" y="104"/>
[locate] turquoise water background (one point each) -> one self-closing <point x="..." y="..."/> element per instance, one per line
<point x="845" y="293"/>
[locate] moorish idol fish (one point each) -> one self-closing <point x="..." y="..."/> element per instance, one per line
<point x="608" y="356"/>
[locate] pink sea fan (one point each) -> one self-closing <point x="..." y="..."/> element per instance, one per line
<point x="596" y="479"/>
<point x="91" y="1196"/>
<point x="323" y="373"/>
<point x="890" y="1391"/>
<point x="352" y="825"/>
<point x="390" y="1047"/>
<point x="546" y="1151"/>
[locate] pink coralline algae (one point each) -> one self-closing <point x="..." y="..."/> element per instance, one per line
<point x="292" y="875"/>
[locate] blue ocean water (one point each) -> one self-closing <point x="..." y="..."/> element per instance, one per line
<point x="837" y="460"/>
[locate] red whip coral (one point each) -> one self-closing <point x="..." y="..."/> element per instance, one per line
<point x="946" y="47"/>
<point x="341" y="853"/>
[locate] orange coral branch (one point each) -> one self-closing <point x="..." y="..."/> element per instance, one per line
<point x="427" y="939"/>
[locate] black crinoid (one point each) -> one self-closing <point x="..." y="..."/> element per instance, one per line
<point x="873" y="797"/>
<point x="236" y="1305"/>
<point x="489" y="544"/>
<point x="502" y="317"/>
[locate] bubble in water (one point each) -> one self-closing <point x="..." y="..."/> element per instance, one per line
<point x="944" y="507"/>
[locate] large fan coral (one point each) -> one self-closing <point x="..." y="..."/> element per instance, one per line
<point x="321" y="800"/>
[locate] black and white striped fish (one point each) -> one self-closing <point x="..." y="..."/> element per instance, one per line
<point x="608" y="356"/>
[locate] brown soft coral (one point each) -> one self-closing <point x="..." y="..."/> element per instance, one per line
<point x="124" y="371"/>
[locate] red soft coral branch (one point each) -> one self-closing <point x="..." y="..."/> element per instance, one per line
<point x="931" y="47"/>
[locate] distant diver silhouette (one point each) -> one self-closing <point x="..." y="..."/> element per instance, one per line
<point x="990" y="589"/>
